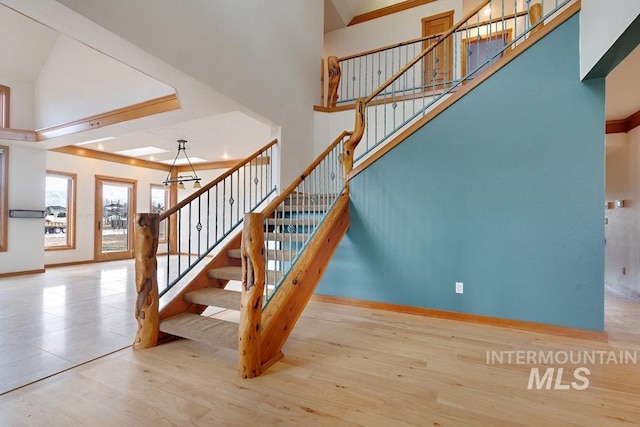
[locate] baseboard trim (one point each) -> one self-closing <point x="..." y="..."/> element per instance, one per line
<point x="22" y="273"/>
<point x="70" y="264"/>
<point x="470" y="318"/>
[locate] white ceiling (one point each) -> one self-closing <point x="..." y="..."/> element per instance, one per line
<point x="25" y="46"/>
<point x="338" y="13"/>
<point x="231" y="135"/>
<point x="213" y="129"/>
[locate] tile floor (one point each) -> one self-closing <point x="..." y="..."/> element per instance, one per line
<point x="59" y="319"/>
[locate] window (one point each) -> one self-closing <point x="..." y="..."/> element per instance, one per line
<point x="159" y="204"/>
<point x="4" y="106"/>
<point x="60" y="202"/>
<point x="482" y="48"/>
<point x="4" y="188"/>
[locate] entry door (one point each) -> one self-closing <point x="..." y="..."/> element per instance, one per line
<point x="438" y="65"/>
<point x="115" y="207"/>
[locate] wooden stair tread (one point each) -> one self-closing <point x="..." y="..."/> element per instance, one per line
<point x="293" y="221"/>
<point x="215" y="297"/>
<point x="202" y="329"/>
<point x="228" y="272"/>
<point x="271" y="253"/>
<point x="293" y="237"/>
<point x="235" y="273"/>
<point x="235" y="253"/>
<point x="313" y="207"/>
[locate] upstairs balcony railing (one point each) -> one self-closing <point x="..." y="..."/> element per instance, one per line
<point x="363" y="72"/>
<point x="487" y="33"/>
<point x="484" y="31"/>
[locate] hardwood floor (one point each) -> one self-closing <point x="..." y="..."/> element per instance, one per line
<point x="345" y="366"/>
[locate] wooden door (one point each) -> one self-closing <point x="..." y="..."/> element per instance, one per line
<point x="438" y="65"/>
<point x="115" y="208"/>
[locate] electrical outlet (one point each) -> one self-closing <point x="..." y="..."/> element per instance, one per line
<point x="459" y="287"/>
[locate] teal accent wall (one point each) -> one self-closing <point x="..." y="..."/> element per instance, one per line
<point x="504" y="192"/>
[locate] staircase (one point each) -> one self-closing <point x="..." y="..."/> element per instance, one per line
<point x="287" y="228"/>
<point x="286" y="245"/>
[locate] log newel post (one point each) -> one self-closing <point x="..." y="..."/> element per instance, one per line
<point x="535" y="15"/>
<point x="350" y="145"/>
<point x="334" y="81"/>
<point x="146" y="311"/>
<point x="253" y="277"/>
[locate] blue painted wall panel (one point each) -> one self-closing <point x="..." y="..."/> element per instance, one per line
<point x="504" y="191"/>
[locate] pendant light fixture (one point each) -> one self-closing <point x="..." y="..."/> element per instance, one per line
<point x="181" y="179"/>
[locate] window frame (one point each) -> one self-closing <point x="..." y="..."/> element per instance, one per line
<point x="4" y="197"/>
<point x="506" y="35"/>
<point x="167" y="202"/>
<point x="5" y="100"/>
<point x="71" y="210"/>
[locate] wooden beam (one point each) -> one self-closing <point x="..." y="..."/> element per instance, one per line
<point x="616" y="126"/>
<point x="623" y="125"/>
<point x="5" y="106"/>
<point x="471" y="318"/>
<point x="633" y="121"/>
<point x="388" y="10"/>
<point x="131" y="112"/>
<point x="322" y="81"/>
<point x="146" y="312"/>
<point x="285" y="308"/>
<point x="110" y="157"/>
<point x="17" y="135"/>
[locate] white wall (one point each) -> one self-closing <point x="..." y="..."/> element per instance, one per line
<point x="622" y="231"/>
<point x="601" y="23"/>
<point x="22" y="103"/>
<point x="77" y="81"/>
<point x="26" y="191"/>
<point x="265" y="55"/>
<point x="386" y="30"/>
<point x="86" y="170"/>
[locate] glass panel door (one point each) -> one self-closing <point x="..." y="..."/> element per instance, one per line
<point x="115" y="207"/>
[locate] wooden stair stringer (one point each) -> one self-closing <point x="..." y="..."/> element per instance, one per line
<point x="282" y="312"/>
<point x="222" y="259"/>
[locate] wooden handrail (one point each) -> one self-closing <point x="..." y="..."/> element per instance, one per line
<point x="418" y="58"/>
<point x="271" y="207"/>
<point x="391" y="46"/>
<point x="166" y="214"/>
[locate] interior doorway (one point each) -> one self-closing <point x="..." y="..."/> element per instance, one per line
<point x="438" y="65"/>
<point x="115" y="207"/>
